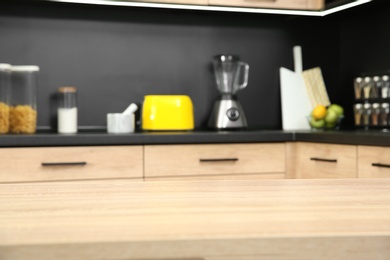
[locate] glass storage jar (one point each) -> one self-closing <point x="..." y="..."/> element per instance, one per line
<point x="67" y="110"/>
<point x="23" y="109"/>
<point x="5" y="82"/>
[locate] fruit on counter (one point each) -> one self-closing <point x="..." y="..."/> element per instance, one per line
<point x="317" y="123"/>
<point x="330" y="125"/>
<point x="331" y="116"/>
<point x="319" y="112"/>
<point x="337" y="108"/>
<point x="326" y="117"/>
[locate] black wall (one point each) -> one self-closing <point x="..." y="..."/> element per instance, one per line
<point x="364" y="48"/>
<point x="116" y="55"/>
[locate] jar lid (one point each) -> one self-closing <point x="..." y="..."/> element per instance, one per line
<point x="5" y="66"/>
<point x="25" y="68"/>
<point x="67" y="89"/>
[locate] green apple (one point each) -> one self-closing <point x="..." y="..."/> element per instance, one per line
<point x="337" y="108"/>
<point x="331" y="116"/>
<point x="317" y="123"/>
<point x="330" y="125"/>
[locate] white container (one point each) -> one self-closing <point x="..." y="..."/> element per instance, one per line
<point x="67" y="110"/>
<point x="120" y="123"/>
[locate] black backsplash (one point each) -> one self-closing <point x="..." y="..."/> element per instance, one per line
<point x="116" y="55"/>
<point x="364" y="45"/>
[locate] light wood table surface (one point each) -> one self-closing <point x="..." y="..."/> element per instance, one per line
<point x="213" y="220"/>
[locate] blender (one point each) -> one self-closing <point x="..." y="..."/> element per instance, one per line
<point x="231" y="75"/>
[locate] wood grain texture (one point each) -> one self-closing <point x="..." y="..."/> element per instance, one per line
<point x="281" y="4"/>
<point x="301" y="161"/>
<point x="185" y="2"/>
<point x="368" y="155"/>
<point x="184" y="160"/>
<point x="254" y="176"/>
<point x="104" y="162"/>
<point x="214" y="220"/>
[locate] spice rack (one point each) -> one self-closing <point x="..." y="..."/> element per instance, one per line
<point x="372" y="101"/>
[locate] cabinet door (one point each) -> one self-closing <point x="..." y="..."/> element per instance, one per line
<point x="70" y="163"/>
<point x="373" y="162"/>
<point x="215" y="161"/>
<point x="277" y="4"/>
<point x="317" y="161"/>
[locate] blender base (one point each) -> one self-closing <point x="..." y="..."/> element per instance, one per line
<point x="227" y="114"/>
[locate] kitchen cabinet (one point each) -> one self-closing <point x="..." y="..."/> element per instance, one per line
<point x="234" y="161"/>
<point x="321" y="161"/>
<point x="277" y="4"/>
<point x="273" y="4"/>
<point x="189" y="2"/>
<point x="214" y="161"/>
<point x="373" y="162"/>
<point x="71" y="163"/>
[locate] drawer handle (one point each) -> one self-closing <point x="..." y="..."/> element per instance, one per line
<point x="381" y="165"/>
<point x="323" y="160"/>
<point x="219" y="160"/>
<point x="64" y="164"/>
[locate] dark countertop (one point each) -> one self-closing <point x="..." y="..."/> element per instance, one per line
<point x="376" y="138"/>
<point x="360" y="137"/>
<point x="140" y="138"/>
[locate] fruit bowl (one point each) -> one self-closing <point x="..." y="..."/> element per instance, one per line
<point x="326" y="118"/>
<point x="322" y="125"/>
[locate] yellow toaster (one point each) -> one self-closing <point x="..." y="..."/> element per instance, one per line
<point x="167" y="112"/>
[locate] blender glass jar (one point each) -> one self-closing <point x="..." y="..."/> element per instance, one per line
<point x="67" y="110"/>
<point x="5" y="82"/>
<point x="23" y="109"/>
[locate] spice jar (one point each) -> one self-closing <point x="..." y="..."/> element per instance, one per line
<point x="23" y="109"/>
<point x="67" y="110"/>
<point x="5" y="82"/>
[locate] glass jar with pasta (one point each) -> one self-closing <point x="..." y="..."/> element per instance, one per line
<point x="23" y="109"/>
<point x="5" y="82"/>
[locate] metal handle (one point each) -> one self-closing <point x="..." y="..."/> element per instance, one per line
<point x="64" y="164"/>
<point x="219" y="160"/>
<point x="323" y="160"/>
<point x="381" y="165"/>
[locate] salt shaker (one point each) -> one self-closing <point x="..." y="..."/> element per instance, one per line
<point x="385" y="86"/>
<point x="358" y="110"/>
<point x="366" y="114"/>
<point x="376" y="108"/>
<point x="384" y="115"/>
<point x="358" y="84"/>
<point x="67" y="110"/>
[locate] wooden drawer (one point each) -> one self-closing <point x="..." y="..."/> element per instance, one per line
<point x="277" y="4"/>
<point x="216" y="161"/>
<point x="373" y="162"/>
<point x="314" y="160"/>
<point x="107" y="162"/>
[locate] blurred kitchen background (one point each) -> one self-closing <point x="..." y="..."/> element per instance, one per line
<point x="116" y="55"/>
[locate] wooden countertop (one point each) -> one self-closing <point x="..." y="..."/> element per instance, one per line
<point x="213" y="220"/>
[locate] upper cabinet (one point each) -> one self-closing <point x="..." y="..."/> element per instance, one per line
<point x="289" y="7"/>
<point x="183" y="2"/>
<point x="275" y="4"/>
